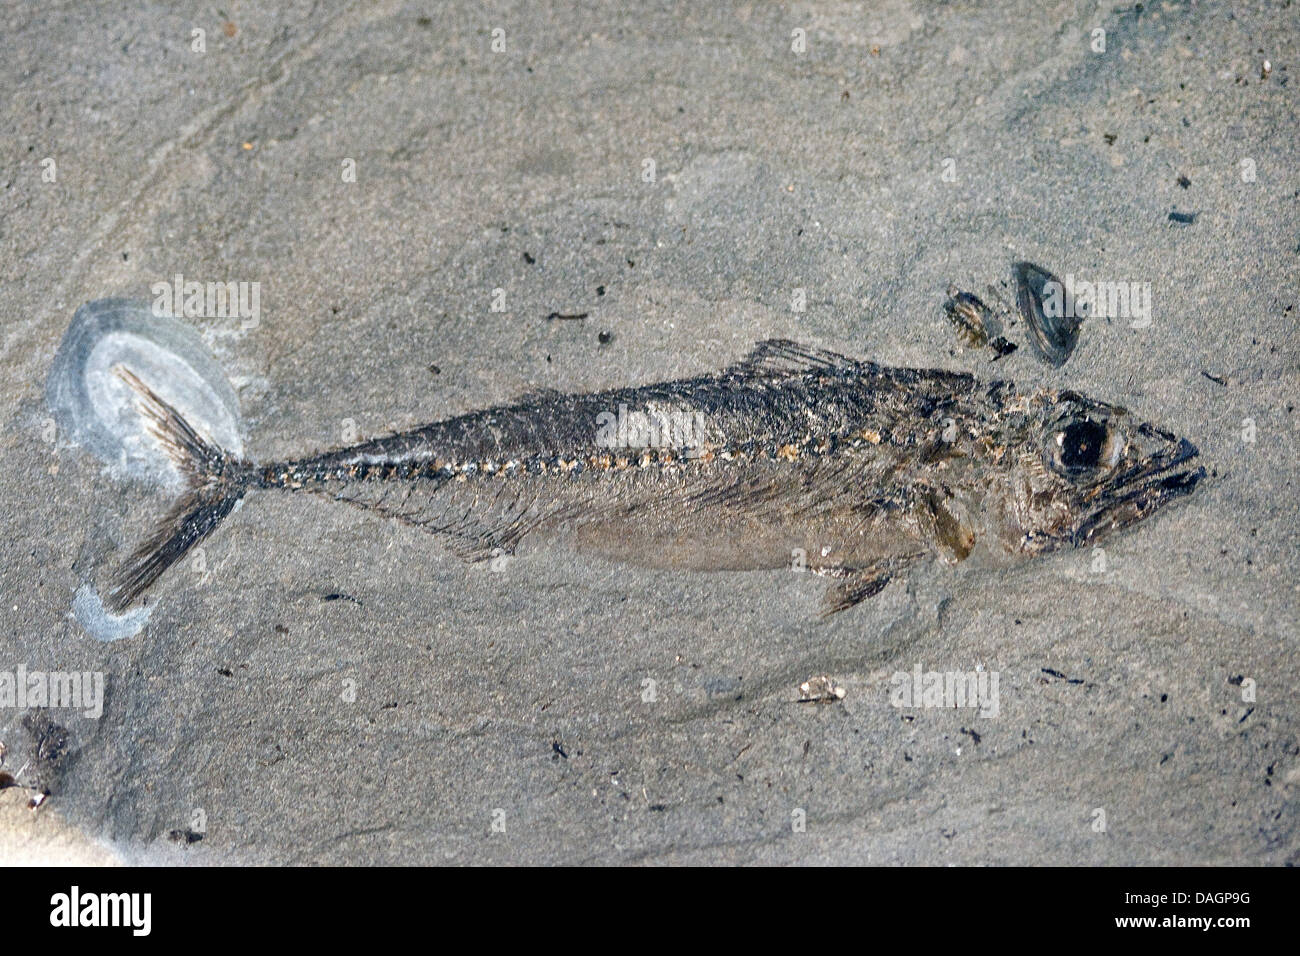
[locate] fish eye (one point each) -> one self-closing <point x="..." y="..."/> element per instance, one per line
<point x="1084" y="446"/>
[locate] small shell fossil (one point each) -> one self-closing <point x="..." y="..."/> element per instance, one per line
<point x="821" y="688"/>
<point x="1041" y="299"/>
<point x="976" y="324"/>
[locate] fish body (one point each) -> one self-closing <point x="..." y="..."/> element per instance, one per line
<point x="793" y="456"/>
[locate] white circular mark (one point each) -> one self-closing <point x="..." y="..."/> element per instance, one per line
<point x="96" y="410"/>
<point x="102" y="624"/>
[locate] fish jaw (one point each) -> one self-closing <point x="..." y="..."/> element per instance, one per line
<point x="1140" y="492"/>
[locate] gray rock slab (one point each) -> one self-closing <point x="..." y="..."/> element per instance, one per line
<point x="386" y="177"/>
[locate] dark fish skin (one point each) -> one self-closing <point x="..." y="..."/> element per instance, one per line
<point x="793" y="455"/>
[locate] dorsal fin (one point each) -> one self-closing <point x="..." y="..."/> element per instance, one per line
<point x="778" y="358"/>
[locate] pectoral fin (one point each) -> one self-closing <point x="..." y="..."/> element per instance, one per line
<point x="949" y="525"/>
<point x="854" y="585"/>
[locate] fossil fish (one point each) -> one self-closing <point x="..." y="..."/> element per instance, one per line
<point x="792" y="453"/>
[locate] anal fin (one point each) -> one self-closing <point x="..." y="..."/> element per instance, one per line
<point x="477" y="521"/>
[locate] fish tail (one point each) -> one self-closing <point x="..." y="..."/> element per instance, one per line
<point x="215" y="481"/>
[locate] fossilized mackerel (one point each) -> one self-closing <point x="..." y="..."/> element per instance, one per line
<point x="792" y="454"/>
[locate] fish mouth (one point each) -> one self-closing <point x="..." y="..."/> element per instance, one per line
<point x="1132" y="495"/>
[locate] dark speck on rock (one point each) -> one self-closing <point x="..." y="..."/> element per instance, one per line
<point x="339" y="596"/>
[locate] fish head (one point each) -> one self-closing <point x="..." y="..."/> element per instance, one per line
<point x="1088" y="469"/>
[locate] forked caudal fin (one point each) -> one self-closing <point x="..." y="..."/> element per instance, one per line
<point x="215" y="481"/>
